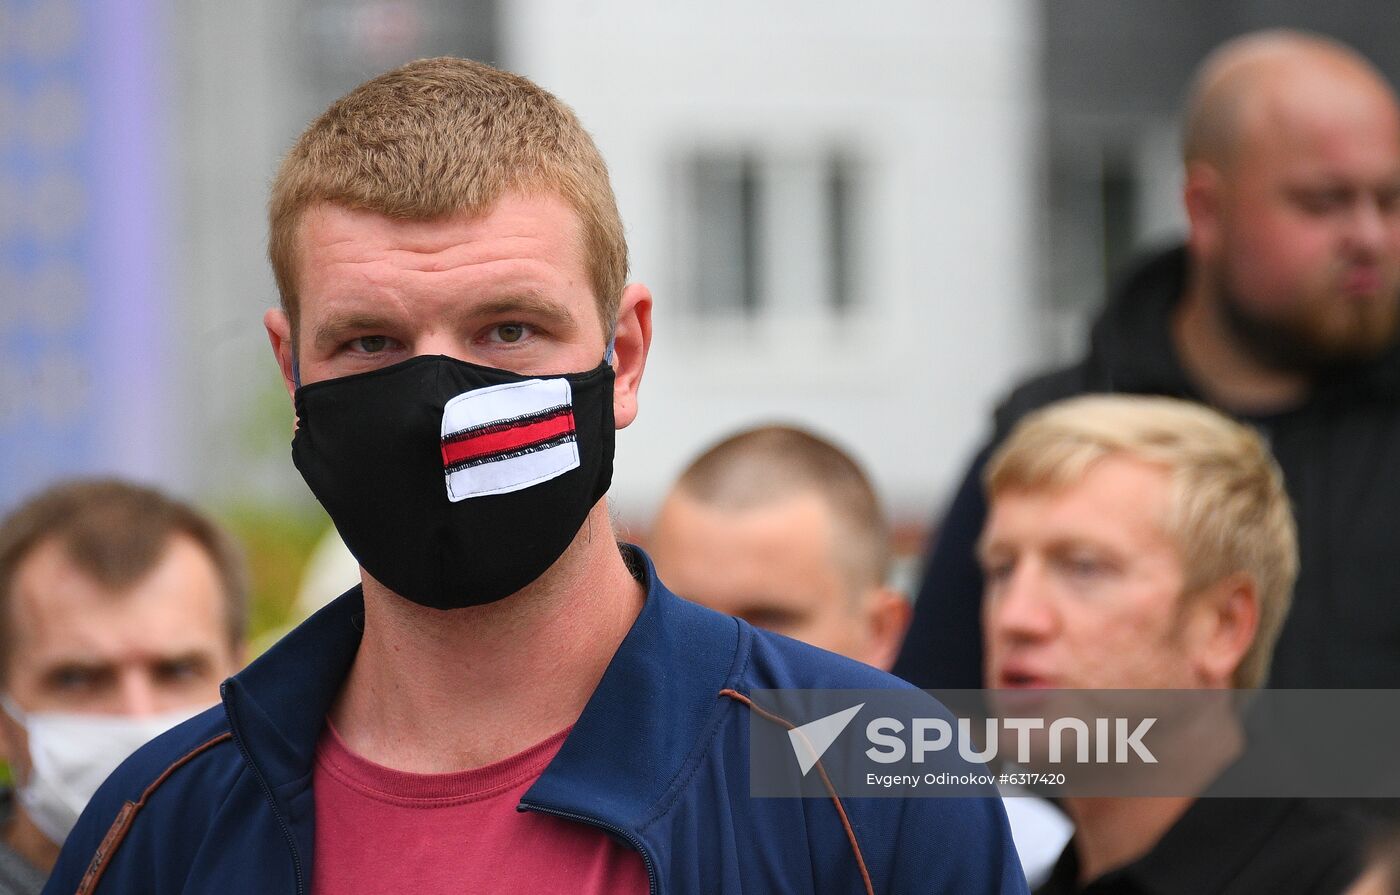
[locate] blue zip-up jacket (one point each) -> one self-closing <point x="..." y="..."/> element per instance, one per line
<point x="659" y="758"/>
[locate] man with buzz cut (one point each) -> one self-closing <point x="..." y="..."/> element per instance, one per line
<point x="781" y="528"/>
<point x="509" y="702"/>
<point x="1146" y="543"/>
<point x="1280" y="309"/>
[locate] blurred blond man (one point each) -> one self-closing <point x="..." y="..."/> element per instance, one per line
<point x="1137" y="542"/>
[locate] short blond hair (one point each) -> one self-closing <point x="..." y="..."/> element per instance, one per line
<point x="1229" y="512"/>
<point x="443" y="137"/>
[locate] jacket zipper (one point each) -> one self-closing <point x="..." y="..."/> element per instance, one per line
<point x="267" y="792"/>
<point x="652" y="886"/>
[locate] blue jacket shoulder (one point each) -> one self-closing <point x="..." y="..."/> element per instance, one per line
<point x="189" y="762"/>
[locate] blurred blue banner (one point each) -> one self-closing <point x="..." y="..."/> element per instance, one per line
<point x="83" y="292"/>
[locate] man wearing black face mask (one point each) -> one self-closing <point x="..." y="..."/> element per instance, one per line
<point x="508" y="702"/>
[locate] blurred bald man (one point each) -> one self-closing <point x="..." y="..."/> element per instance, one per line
<point x="1281" y="310"/>
<point x="783" y="529"/>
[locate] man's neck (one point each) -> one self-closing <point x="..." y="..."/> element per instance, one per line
<point x="433" y="691"/>
<point x="1224" y="372"/>
<point x="28" y="842"/>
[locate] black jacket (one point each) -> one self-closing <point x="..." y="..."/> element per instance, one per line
<point x="1233" y="847"/>
<point x="1340" y="454"/>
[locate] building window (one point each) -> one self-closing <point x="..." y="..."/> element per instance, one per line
<point x="769" y="232"/>
<point x="725" y="263"/>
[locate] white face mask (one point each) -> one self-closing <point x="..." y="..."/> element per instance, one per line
<point x="71" y="754"/>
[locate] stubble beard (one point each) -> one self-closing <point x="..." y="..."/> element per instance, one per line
<point x="1299" y="344"/>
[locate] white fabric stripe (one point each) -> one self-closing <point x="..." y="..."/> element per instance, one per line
<point x="504" y="476"/>
<point x="503" y="402"/>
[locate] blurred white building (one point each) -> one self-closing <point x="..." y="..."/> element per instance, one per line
<point x="834" y="205"/>
<point x="867" y="219"/>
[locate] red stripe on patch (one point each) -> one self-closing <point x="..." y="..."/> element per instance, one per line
<point x="495" y="442"/>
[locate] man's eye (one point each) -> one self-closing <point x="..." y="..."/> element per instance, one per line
<point x="996" y="572"/>
<point x="1388" y="200"/>
<point x="181" y="670"/>
<point x="1321" y="201"/>
<point x="71" y="679"/>
<point x="372" y="344"/>
<point x="509" y="333"/>
<point x="1083" y="566"/>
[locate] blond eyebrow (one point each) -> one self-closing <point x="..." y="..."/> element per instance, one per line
<point x="332" y="332"/>
<point x="531" y="304"/>
<point x="193" y="654"/>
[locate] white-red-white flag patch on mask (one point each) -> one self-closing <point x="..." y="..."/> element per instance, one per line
<point x="506" y="437"/>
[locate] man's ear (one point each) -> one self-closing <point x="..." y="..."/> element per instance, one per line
<point x="887" y="616"/>
<point x="632" y="341"/>
<point x="279" y="333"/>
<point x="1202" y="194"/>
<point x="1223" y="621"/>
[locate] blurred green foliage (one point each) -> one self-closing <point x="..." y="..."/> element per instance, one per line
<point x="277" y="542"/>
<point x="265" y="430"/>
<point x="277" y="536"/>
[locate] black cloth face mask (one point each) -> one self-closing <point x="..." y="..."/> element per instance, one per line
<point x="455" y="484"/>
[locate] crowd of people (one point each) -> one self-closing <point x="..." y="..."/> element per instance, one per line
<point x="512" y="701"/>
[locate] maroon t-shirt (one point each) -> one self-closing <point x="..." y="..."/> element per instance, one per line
<point x="381" y="830"/>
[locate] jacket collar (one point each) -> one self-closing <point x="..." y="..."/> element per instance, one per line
<point x="653" y="714"/>
<point x="645" y="724"/>
<point x="1130" y="348"/>
<point x="1202" y="852"/>
<point x="277" y="706"/>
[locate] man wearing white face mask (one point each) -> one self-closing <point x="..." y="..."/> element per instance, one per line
<point x="121" y="611"/>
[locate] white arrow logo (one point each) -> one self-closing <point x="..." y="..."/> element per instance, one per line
<point x="811" y="740"/>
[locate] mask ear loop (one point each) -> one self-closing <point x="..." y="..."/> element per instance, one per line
<point x="296" y="370"/>
<point x="17" y="714"/>
<point x="607" y="355"/>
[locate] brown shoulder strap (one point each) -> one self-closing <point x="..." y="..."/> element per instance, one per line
<point x="117" y="832"/>
<point x="835" y="799"/>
